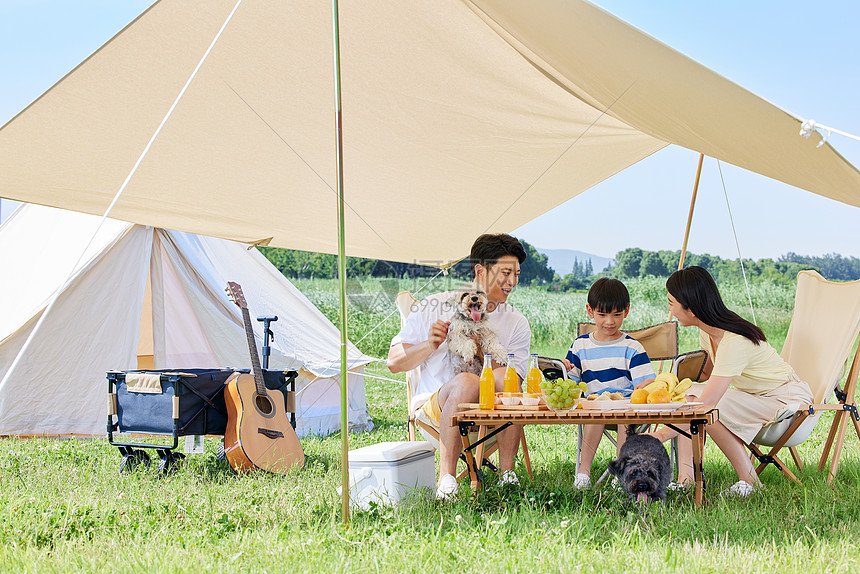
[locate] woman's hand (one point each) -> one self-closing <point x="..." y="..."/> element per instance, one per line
<point x="715" y="388"/>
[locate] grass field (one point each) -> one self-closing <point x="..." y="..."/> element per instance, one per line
<point x="66" y="508"/>
<point x="373" y="319"/>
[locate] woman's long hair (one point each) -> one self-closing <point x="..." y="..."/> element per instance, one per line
<point x="695" y="289"/>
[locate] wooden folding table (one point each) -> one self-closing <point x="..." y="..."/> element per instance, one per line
<point x="697" y="417"/>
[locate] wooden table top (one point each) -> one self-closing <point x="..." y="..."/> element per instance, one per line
<point x="588" y="416"/>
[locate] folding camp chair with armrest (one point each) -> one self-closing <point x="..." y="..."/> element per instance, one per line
<point x="660" y="341"/>
<point x="823" y="330"/>
<point x="417" y="418"/>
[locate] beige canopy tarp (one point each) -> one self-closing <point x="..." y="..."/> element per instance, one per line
<point x="459" y="117"/>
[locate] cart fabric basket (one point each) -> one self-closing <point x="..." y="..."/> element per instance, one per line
<point x="200" y="407"/>
<point x="174" y="402"/>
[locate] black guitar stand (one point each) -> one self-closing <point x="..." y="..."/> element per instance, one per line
<point x="268" y="335"/>
<point x="267" y="332"/>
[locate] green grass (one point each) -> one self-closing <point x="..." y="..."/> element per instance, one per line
<point x="64" y="507"/>
<point x="373" y="318"/>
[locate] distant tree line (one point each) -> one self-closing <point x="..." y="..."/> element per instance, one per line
<point x="629" y="263"/>
<point x="635" y="262"/>
<point x="297" y="264"/>
<point x="831" y="265"/>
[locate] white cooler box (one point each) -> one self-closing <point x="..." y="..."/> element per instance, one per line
<point x="386" y="472"/>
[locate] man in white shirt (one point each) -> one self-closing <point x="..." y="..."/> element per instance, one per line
<point x="495" y="262"/>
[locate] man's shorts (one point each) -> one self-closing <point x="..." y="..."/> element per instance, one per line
<point x="432" y="409"/>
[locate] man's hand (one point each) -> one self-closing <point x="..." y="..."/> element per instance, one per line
<point x="438" y="333"/>
<point x="404" y="357"/>
<point x="567" y="364"/>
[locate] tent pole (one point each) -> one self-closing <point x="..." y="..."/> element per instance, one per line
<point x="341" y="268"/>
<point x="690" y="215"/>
<point x="687" y="231"/>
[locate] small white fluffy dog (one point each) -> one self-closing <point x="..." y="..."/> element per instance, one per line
<point x="470" y="334"/>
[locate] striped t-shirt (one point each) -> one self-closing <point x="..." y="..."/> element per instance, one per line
<point x="619" y="364"/>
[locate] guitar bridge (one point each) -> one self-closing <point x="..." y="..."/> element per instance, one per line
<point x="271" y="433"/>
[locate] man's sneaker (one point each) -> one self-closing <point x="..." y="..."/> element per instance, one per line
<point x="447" y="488"/>
<point x="509" y="477"/>
<point x="581" y="481"/>
<point x="741" y="489"/>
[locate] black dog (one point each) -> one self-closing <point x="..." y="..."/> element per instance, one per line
<point x="642" y="467"/>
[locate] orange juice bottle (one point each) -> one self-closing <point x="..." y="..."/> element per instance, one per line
<point x="512" y="381"/>
<point x="534" y="378"/>
<point x="487" y="397"/>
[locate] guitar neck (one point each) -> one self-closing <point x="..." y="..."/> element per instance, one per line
<point x="252" y="347"/>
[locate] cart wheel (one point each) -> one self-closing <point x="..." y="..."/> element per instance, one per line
<point x="132" y="460"/>
<point x="221" y="454"/>
<point x="169" y="462"/>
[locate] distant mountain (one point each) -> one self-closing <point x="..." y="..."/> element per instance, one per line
<point x="561" y="260"/>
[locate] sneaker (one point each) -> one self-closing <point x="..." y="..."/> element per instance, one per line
<point x="740" y="489"/>
<point x="678" y="486"/>
<point x="447" y="488"/>
<point x="509" y="477"/>
<point x="581" y="481"/>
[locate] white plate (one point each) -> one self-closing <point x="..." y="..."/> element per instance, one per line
<point x="605" y="405"/>
<point x="662" y="406"/>
<point x="530" y="401"/>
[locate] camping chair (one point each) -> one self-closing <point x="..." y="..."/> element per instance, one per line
<point x="418" y="419"/>
<point x="823" y="330"/>
<point x="661" y="343"/>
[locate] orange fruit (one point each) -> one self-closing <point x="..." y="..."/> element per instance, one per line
<point x="658" y="396"/>
<point x="639" y="397"/>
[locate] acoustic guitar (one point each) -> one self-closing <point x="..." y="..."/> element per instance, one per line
<point x="259" y="434"/>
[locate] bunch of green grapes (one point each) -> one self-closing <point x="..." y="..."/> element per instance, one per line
<point x="561" y="394"/>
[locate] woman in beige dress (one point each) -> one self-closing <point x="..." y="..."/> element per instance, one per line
<point x="747" y="380"/>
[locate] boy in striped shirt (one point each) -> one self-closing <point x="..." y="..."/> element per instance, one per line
<point x="607" y="360"/>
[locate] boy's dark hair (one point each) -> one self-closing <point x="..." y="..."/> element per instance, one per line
<point x="608" y="295"/>
<point x="489" y="247"/>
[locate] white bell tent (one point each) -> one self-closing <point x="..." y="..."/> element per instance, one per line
<point x="143" y="297"/>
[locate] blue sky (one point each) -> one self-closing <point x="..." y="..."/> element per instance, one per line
<point x="801" y="56"/>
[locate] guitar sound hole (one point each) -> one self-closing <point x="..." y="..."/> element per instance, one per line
<point x="264" y="405"/>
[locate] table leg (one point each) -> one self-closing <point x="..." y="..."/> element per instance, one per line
<point x="526" y="458"/>
<point x="474" y="471"/>
<point x="479" y="451"/>
<point x="697" y="434"/>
